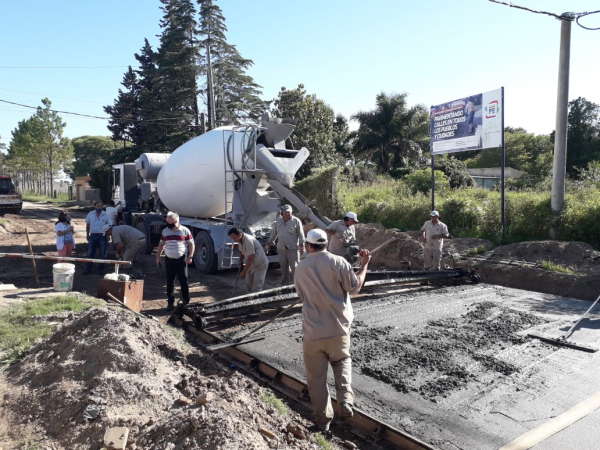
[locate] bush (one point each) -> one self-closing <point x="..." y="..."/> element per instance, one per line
<point x="420" y="181"/>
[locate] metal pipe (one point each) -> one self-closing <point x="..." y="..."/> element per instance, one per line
<point x="63" y="259"/>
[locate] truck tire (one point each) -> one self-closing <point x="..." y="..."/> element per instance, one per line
<point x="205" y="258"/>
<point x="143" y="227"/>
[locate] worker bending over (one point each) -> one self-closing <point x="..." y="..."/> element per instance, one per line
<point x="342" y="232"/>
<point x="256" y="264"/>
<point x="433" y="233"/>
<point x="129" y="242"/>
<point x="290" y="243"/>
<point x="323" y="282"/>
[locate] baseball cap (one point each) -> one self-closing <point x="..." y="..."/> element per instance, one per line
<point x="286" y="208"/>
<point x="434" y="213"/>
<point x="351" y="215"/>
<point x="105" y="228"/>
<point x="317" y="237"/>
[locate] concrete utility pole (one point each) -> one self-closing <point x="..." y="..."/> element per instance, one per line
<point x="562" y="111"/>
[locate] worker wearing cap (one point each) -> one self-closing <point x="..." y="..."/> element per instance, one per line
<point x="290" y="240"/>
<point x="341" y="232"/>
<point x="256" y="262"/>
<point x="433" y="233"/>
<point x="324" y="281"/>
<point x="129" y="242"/>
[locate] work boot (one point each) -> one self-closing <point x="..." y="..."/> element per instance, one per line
<point x="170" y="306"/>
<point x="346" y="410"/>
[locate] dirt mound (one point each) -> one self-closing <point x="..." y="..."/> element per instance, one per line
<point x="574" y="254"/>
<point x="406" y="247"/>
<point x="109" y="368"/>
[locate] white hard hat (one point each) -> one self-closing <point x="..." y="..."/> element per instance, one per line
<point x="105" y="228"/>
<point x="351" y="215"/>
<point x="317" y="237"/>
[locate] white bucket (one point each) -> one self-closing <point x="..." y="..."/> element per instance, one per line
<point x="63" y="276"/>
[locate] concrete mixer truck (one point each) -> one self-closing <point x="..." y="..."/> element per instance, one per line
<point x="232" y="176"/>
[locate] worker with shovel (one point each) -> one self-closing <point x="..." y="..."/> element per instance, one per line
<point x="256" y="262"/>
<point x="342" y="232"/>
<point x="433" y="233"/>
<point x="324" y="281"/>
<point x="290" y="240"/>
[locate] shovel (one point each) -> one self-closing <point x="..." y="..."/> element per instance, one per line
<point x="237" y="279"/>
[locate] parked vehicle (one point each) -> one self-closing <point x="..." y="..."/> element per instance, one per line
<point x="10" y="200"/>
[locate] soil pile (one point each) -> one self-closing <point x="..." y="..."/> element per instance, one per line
<point x="407" y="246"/>
<point x="577" y="255"/>
<point x="109" y="368"/>
<point x="448" y="355"/>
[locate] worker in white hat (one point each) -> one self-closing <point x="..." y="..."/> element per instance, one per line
<point x="433" y="233"/>
<point x="324" y="281"/>
<point x="342" y="232"/>
<point x="289" y="233"/>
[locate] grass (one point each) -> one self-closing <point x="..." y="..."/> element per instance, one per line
<point x="476" y="250"/>
<point x="323" y="443"/>
<point x="270" y="399"/>
<point x="30" y="196"/>
<point x="19" y="331"/>
<point x="179" y="334"/>
<point x="553" y="267"/>
<point x="3" y="221"/>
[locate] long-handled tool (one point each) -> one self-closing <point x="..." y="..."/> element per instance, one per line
<point x="242" y="340"/>
<point x="120" y="303"/>
<point x="562" y="341"/>
<point x="379" y="247"/>
<point x="237" y="279"/>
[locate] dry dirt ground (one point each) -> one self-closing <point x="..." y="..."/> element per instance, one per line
<point x="132" y="372"/>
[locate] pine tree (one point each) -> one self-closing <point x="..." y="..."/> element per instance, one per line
<point x="236" y="94"/>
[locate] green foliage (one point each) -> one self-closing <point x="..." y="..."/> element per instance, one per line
<point x="314" y="129"/>
<point x="455" y="170"/>
<point x="269" y="398"/>
<point x="321" y="187"/>
<point x="91" y="153"/>
<point x="420" y="181"/>
<point x="236" y="93"/>
<point x="553" y="267"/>
<point x="38" y="146"/>
<point x="392" y="135"/>
<point x="19" y="331"/>
<point x="31" y="196"/>
<point x="476" y="250"/>
<point x="583" y="135"/>
<point x="323" y="443"/>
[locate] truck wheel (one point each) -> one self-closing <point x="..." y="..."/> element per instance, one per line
<point x="142" y="226"/>
<point x="205" y="257"/>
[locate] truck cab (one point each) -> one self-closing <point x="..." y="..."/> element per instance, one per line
<point x="10" y="200"/>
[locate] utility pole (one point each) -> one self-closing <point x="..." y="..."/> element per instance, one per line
<point x="212" y="116"/>
<point x="562" y="111"/>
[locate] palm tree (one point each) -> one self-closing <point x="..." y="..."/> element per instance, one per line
<point x="392" y="134"/>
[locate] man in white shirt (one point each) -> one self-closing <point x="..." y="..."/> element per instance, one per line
<point x="112" y="212"/>
<point x="433" y="233"/>
<point x="342" y="232"/>
<point x="94" y="222"/>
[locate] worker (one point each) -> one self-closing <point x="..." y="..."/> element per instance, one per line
<point x="289" y="233"/>
<point x="94" y="222"/>
<point x="112" y="212"/>
<point x="433" y="233"/>
<point x="342" y="232"/>
<point x="324" y="281"/>
<point x="178" y="243"/>
<point x="129" y="243"/>
<point x="256" y="262"/>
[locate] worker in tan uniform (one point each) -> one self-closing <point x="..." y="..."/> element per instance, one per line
<point x="323" y="282"/>
<point x="433" y="233"/>
<point x="342" y="232"/>
<point x="290" y="243"/>
<point x="256" y="262"/>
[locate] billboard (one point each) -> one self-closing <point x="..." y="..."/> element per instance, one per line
<point x="469" y="123"/>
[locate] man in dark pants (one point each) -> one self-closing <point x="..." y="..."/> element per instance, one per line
<point x="178" y="244"/>
<point x="94" y="222"/>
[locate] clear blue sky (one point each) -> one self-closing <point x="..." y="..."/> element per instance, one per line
<point x="344" y="51"/>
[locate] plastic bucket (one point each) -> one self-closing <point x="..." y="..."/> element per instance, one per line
<point x="63" y="276"/>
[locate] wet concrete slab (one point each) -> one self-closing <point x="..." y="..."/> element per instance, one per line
<point x="510" y="385"/>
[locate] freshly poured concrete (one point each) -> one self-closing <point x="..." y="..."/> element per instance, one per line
<point x="488" y="409"/>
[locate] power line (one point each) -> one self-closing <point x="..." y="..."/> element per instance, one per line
<point x="568" y="16"/>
